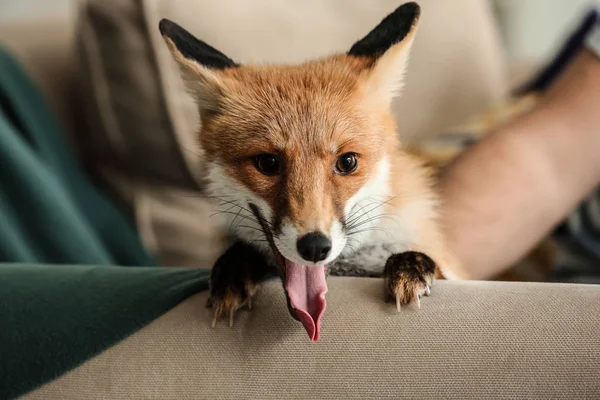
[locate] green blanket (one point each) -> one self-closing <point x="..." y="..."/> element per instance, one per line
<point x="65" y="291"/>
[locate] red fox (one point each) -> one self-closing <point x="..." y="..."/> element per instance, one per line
<point x="306" y="162"/>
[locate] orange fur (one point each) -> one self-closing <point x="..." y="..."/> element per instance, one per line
<point x="308" y="115"/>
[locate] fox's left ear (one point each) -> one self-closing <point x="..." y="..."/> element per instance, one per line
<point x="386" y="50"/>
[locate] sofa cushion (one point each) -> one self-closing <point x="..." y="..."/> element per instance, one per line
<point x="179" y="226"/>
<point x="469" y="340"/>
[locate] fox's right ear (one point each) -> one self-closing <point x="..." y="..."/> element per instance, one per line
<point x="386" y="50"/>
<point x="200" y="64"/>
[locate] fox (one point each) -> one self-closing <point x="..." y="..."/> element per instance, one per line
<point x="306" y="162"/>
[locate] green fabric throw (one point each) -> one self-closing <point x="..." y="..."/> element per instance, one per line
<point x="51" y="213"/>
<point x="55" y="316"/>
<point x="52" y="318"/>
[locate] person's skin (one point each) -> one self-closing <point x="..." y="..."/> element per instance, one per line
<point x="504" y="194"/>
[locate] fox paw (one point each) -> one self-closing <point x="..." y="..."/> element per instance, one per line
<point x="226" y="298"/>
<point x="234" y="281"/>
<point x="407" y="277"/>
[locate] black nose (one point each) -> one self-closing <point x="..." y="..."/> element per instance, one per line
<point x="314" y="246"/>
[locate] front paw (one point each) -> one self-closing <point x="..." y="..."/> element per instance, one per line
<point x="408" y="276"/>
<point x="228" y="295"/>
<point x="234" y="281"/>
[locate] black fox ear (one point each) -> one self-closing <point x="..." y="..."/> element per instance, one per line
<point x="200" y="64"/>
<point x="192" y="49"/>
<point x="387" y="48"/>
<point x="392" y="30"/>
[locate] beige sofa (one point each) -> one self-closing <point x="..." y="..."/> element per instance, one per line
<point x="469" y="339"/>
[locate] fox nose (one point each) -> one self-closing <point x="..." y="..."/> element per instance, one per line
<point x="314" y="246"/>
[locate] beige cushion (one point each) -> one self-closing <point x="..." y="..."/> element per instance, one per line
<point x="178" y="226"/>
<point x="141" y="122"/>
<point x="470" y="340"/>
<point x="44" y="46"/>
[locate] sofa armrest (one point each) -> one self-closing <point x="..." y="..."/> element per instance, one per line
<point x="469" y="340"/>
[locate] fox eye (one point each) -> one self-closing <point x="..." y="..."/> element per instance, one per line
<point x="346" y="163"/>
<point x="268" y="164"/>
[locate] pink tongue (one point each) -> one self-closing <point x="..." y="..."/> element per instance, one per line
<point x="306" y="288"/>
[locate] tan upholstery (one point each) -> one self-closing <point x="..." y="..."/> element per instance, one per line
<point x="470" y="340"/>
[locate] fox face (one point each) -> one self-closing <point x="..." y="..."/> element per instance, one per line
<point x="294" y="152"/>
<point x="300" y="145"/>
<point x="303" y="143"/>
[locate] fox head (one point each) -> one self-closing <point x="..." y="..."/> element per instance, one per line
<point x="292" y="150"/>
